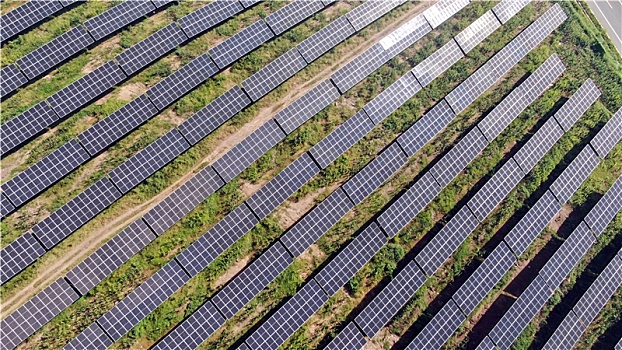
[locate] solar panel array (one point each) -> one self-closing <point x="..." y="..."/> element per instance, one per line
<point x="440" y="328"/>
<point x="26" y="125"/>
<point x="477" y="31"/>
<point x="349" y="338"/>
<point x="528" y="155"/>
<point x="292" y="14"/>
<point x="240" y="44"/>
<point x="574" y="175"/>
<point x="92" y="337"/>
<point x="6" y="207"/>
<point x="359" y="68"/>
<point x="505" y="10"/>
<point x="404" y="36"/>
<point x="392" y="98"/>
<point x="435" y="120"/>
<point x="437" y="63"/>
<point x="25" y="16"/>
<point x="325" y="39"/>
<point x="10" y="79"/>
<point x="117" y="17"/>
<point x="443" y="10"/>
<point x="18" y="255"/>
<point x="366" y="13"/>
<point x="495" y="189"/>
<point x="609" y="135"/>
<point x="606" y="209"/>
<point x="208" y="16"/>
<point x="570" y="112"/>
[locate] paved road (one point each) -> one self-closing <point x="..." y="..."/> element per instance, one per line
<point x="609" y="14"/>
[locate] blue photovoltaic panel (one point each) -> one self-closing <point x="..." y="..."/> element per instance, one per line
<point x="392" y="98"/>
<point x="420" y="133"/>
<point x="38" y="311"/>
<point x="112" y="128"/>
<point x="245" y="286"/>
<point x="408" y="205"/>
<point x="359" y="68"/>
<point x="59" y="49"/>
<point x="599" y="293"/>
<point x="370" y="11"/>
<point x="477" y="31"/>
<point x="538" y="145"/>
<point x="437" y="63"/>
<point x="606" y="209"/>
<point x="325" y="39"/>
<point x="18" y="255"/>
<point x="351" y="259"/>
<point x="86" y="89"/>
<point x="609" y="135"/>
<point x="567" y="333"/>
<point x="574" y="175"/>
<point x="67" y="3"/>
<point x="390" y="299"/>
<point x="76" y="213"/>
<point x="341" y="139"/>
<point x="495" y="190"/>
<point x="283" y="185"/>
<point x="458" y="157"/>
<point x="273" y="74"/>
<point x="32" y="181"/>
<point x="160" y="3"/>
<point x="232" y="163"/>
<point x="305" y="107"/>
<point x="241" y="43"/>
<point x="193" y="330"/>
<point x="288" y="318"/>
<point x="349" y="338"/>
<point x="487" y="344"/>
<point x="505" y="10"/>
<point x="210" y="117"/>
<point x="374" y="174"/>
<point x="404" y="36"/>
<point x="10" y="79"/>
<point x="446" y="241"/>
<point x="440" y="329"/>
<point x="574" y="108"/>
<point x="179" y="203"/>
<point x="443" y="10"/>
<point x="6" y="207"/>
<point x="26" y="125"/>
<point x="110" y="257"/>
<point x="25" y="16"/>
<point x="217" y="239"/>
<point x="151" y="159"/>
<point x="182" y="81"/>
<point x="292" y="14"/>
<point x="91" y="338"/>
<point x="155" y="45"/>
<point x="117" y="17"/>
<point x="249" y="3"/>
<point x="313" y="225"/>
<point x="208" y="16"/>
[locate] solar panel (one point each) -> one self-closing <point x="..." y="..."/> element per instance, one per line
<point x="25" y="16"/>
<point x="182" y="81"/>
<point x="359" y="68"/>
<point x="408" y="205"/>
<point x="567" y="333"/>
<point x="245" y="286"/>
<point x="420" y="133"/>
<point x="6" y="207"/>
<point x="86" y="89"/>
<point x="477" y="31"/>
<point x="599" y="293"/>
<point x="283" y="185"/>
<point x="574" y="108"/>
<point x="18" y="255"/>
<point x="112" y="128"/>
<point x="240" y="44"/>
<point x="151" y="159"/>
<point x="505" y="10"/>
<point x="619" y="345"/>
<point x="92" y="337"/>
<point x="193" y="330"/>
<point x="437" y="63"/>
<point x="606" y="209"/>
<point x="287" y="319"/>
<point x="32" y="181"/>
<point x="486" y="344"/>
<point x="443" y="10"/>
<point x="574" y="175"/>
<point x="232" y="163"/>
<point x="76" y="213"/>
<point x="567" y="256"/>
<point x="390" y="299"/>
<point x="609" y="135"/>
<point x="59" y="49"/>
<point x="484" y="279"/>
<point x="325" y="39"/>
<point x="314" y="224"/>
<point x="495" y="190"/>
<point x="160" y="3"/>
<point x="110" y="256"/>
<point x="26" y="125"/>
<point x="349" y="338"/>
<point x="530" y="226"/>
<point x="370" y="11"/>
<point x="524" y="309"/>
<point x="117" y="17"/>
<point x="217" y="239"/>
<point x="292" y="14"/>
<point x="458" y="157"/>
<point x="143" y="300"/>
<point x="273" y="74"/>
<point x="10" y="79"/>
<point x="306" y="106"/>
<point x="393" y="97"/>
<point x="351" y="259"/>
<point x="242" y="347"/>
<point x="538" y="145"/>
<point x="67" y="3"/>
<point x="210" y="117"/>
<point x="208" y="16"/>
<point x="375" y="173"/>
<point x="154" y="46"/>
<point x="181" y="202"/>
<point x="341" y="139"/>
<point x="440" y="329"/>
<point x="445" y="242"/>
<point x="404" y="36"/>
<point x="38" y="311"/>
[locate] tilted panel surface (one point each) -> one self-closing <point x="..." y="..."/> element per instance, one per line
<point x="6" y="207"/>
<point x="240" y="44"/>
<point x="349" y="338"/>
<point x="117" y="17"/>
<point x="505" y="10"/>
<point x="495" y="190"/>
<point x="208" y="16"/>
<point x="574" y="175"/>
<point x="325" y="39"/>
<point x="438" y="331"/>
<point x="392" y="98"/>
<point x="574" y="108"/>
<point x="477" y="31"/>
<point x="599" y="293"/>
<point x="370" y="11"/>
<point x="359" y="68"/>
<point x="26" y="125"/>
<point x="26" y="15"/>
<point x="443" y="10"/>
<point x="420" y="133"/>
<point x="606" y="209"/>
<point x="91" y="338"/>
<point x="609" y="135"/>
<point x="404" y="36"/>
<point x="18" y="255"/>
<point x="292" y="14"/>
<point x="273" y="74"/>
<point x="567" y="333"/>
<point x="437" y="63"/>
<point x="538" y="145"/>
<point x="10" y="79"/>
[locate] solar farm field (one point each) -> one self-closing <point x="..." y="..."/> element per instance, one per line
<point x="306" y="174"/>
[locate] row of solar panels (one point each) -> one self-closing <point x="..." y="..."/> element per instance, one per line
<point x="132" y="239"/>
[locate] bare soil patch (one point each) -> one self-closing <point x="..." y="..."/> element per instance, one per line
<point x="563" y="214"/>
<point x="232" y="271"/>
<point x="130" y="91"/>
